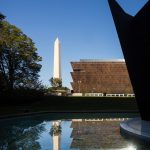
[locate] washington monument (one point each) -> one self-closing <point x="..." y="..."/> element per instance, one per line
<point x="57" y="63"/>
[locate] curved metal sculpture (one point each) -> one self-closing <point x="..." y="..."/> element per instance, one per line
<point x="134" y="36"/>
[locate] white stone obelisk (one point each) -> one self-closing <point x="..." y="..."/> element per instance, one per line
<point x="57" y="63"/>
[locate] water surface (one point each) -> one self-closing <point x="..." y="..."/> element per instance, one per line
<point x="62" y="131"/>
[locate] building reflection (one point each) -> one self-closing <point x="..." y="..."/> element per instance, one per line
<point x="97" y="133"/>
<point x="56" y="134"/>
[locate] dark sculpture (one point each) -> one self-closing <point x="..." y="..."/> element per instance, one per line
<point x="134" y="36"/>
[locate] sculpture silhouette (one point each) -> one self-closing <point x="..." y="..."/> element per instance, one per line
<point x="134" y="36"/>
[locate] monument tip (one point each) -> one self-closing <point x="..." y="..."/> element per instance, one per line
<point x="57" y="39"/>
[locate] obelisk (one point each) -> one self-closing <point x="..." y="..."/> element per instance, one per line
<point x="57" y="63"/>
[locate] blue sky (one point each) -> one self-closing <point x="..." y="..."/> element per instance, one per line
<point x="84" y="27"/>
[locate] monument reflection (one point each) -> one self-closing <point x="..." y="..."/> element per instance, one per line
<point x="55" y="132"/>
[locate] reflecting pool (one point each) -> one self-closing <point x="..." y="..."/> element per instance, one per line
<point x="60" y="131"/>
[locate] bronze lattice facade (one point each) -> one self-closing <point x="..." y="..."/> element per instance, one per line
<point x="100" y="76"/>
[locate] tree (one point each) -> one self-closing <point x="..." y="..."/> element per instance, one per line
<point x="18" y="58"/>
<point x="2" y="83"/>
<point x="56" y="82"/>
<point x="56" y="129"/>
<point x="2" y="17"/>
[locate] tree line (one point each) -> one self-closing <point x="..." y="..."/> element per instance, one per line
<point x="19" y="60"/>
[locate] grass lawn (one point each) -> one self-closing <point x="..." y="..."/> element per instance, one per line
<point x="68" y="104"/>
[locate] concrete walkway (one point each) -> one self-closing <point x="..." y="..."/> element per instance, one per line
<point x="136" y="128"/>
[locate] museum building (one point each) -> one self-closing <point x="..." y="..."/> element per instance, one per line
<point x="101" y="76"/>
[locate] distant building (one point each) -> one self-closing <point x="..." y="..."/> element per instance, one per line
<point x="101" y="76"/>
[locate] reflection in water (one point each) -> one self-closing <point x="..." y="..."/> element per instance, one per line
<point x="38" y="133"/>
<point x="131" y="147"/>
<point x="21" y="135"/>
<point x="97" y="133"/>
<point x="56" y="134"/>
